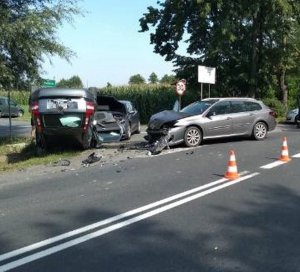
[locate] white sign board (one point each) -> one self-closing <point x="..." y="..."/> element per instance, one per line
<point x="206" y="74"/>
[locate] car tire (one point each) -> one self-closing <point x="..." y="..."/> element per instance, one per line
<point x="87" y="138"/>
<point x="128" y="132"/>
<point x="260" y="131"/>
<point x="41" y="143"/>
<point x="138" y="130"/>
<point x="20" y="113"/>
<point x="192" y="136"/>
<point x="296" y="118"/>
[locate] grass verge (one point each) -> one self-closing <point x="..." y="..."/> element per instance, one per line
<point x="20" y="153"/>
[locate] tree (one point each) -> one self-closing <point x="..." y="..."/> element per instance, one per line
<point x="73" y="82"/>
<point x="28" y="35"/>
<point x="240" y="38"/>
<point x="168" y="79"/>
<point x="153" y="79"/>
<point x="136" y="79"/>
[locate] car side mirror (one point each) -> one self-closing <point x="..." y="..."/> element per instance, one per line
<point x="210" y="114"/>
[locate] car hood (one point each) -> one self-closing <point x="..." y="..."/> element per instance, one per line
<point x="163" y="117"/>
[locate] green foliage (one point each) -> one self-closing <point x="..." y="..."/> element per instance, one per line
<point x="21" y="97"/>
<point x="253" y="44"/>
<point x="149" y="99"/>
<point x="168" y="79"/>
<point x="153" y="79"/>
<point x="28" y="35"/>
<point x="136" y="79"/>
<point x="73" y="82"/>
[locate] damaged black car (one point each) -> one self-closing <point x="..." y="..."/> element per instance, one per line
<point x="115" y="120"/>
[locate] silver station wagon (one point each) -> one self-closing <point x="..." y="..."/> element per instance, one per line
<point x="212" y="118"/>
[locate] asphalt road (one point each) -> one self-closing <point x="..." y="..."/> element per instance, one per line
<point x="172" y="212"/>
<point x="18" y="128"/>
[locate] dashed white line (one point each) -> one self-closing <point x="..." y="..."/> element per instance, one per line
<point x="272" y="165"/>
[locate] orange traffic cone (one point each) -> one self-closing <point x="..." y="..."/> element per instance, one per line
<point x="232" y="172"/>
<point x="284" y="151"/>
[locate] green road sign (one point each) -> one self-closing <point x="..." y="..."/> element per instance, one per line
<point x="49" y="83"/>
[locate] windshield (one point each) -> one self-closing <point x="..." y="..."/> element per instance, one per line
<point x="198" y="107"/>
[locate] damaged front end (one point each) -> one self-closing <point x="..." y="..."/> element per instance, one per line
<point x="107" y="127"/>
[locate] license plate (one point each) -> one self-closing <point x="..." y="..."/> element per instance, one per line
<point x="61" y="104"/>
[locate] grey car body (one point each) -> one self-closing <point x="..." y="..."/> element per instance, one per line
<point x="212" y="118"/>
<point x="15" y="109"/>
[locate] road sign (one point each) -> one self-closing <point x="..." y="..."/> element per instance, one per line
<point x="206" y="74"/>
<point x="48" y="83"/>
<point x="181" y="87"/>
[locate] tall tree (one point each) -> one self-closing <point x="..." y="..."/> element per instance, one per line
<point x="168" y="79"/>
<point x="237" y="37"/>
<point x="73" y="82"/>
<point x="136" y="79"/>
<point x="28" y="36"/>
<point x="153" y="79"/>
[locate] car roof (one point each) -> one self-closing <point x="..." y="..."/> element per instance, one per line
<point x="231" y="98"/>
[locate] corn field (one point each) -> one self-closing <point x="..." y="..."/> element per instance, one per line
<point x="148" y="99"/>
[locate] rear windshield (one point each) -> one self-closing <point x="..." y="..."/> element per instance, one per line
<point x="198" y="107"/>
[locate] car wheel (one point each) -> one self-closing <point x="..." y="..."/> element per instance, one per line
<point x="20" y="113"/>
<point x="138" y="130"/>
<point x="87" y="138"/>
<point x="128" y="132"/>
<point x="295" y="120"/>
<point x="41" y="143"/>
<point x="192" y="136"/>
<point x="260" y="131"/>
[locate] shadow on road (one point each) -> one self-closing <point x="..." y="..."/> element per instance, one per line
<point x="263" y="238"/>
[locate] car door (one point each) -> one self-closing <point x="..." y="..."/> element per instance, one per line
<point x="242" y="118"/>
<point x="218" y="121"/>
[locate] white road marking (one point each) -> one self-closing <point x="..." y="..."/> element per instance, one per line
<point x="108" y="220"/>
<point x="272" y="165"/>
<point x="124" y="223"/>
<point x="296" y="156"/>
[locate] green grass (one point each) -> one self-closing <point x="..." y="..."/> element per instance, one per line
<point x="20" y="153"/>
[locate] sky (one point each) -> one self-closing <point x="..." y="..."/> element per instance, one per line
<point x="108" y="46"/>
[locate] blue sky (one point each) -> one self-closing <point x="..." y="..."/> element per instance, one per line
<point x="108" y="45"/>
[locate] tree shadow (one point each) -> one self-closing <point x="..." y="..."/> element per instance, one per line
<point x="261" y="236"/>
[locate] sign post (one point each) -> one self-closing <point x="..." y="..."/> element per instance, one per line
<point x="180" y="90"/>
<point x="206" y="75"/>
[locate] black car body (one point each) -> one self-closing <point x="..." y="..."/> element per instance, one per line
<point x="15" y="109"/>
<point x="63" y="112"/>
<point x="114" y="119"/>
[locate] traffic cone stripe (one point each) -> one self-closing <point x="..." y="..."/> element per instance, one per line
<point x="284" y="151"/>
<point x="232" y="172"/>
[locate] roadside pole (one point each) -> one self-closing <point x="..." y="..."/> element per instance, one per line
<point x="180" y="90"/>
<point x="9" y="116"/>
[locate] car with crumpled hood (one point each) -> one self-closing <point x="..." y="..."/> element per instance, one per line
<point x="115" y="119"/>
<point x="63" y="112"/>
<point x="212" y="118"/>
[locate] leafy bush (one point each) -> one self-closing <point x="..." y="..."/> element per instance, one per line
<point x="21" y="97"/>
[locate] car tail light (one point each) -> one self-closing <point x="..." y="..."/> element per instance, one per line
<point x="273" y="113"/>
<point x="36" y="115"/>
<point x="90" y="109"/>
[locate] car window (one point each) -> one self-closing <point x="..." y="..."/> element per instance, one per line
<point x="198" y="107"/>
<point x="252" y="106"/>
<point x="221" y="108"/>
<point x="2" y="102"/>
<point x="237" y="106"/>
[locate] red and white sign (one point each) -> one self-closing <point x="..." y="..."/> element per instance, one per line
<point x="181" y="87"/>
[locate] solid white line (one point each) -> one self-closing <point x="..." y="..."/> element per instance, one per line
<point x="107" y="221"/>
<point x="272" y="165"/>
<point x="119" y="225"/>
<point x="296" y="156"/>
